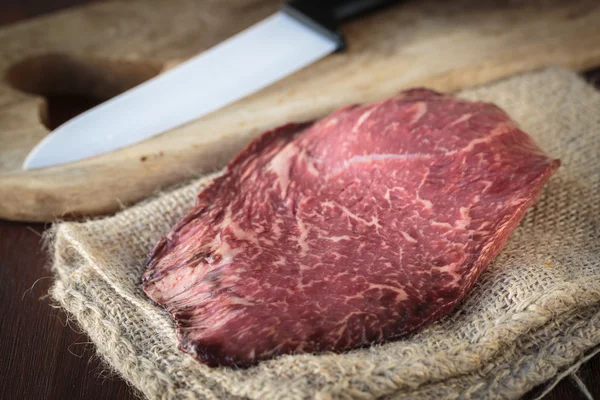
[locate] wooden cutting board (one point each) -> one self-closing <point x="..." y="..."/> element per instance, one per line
<point x="105" y="48"/>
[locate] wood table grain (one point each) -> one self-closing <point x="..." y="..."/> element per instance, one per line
<point x="45" y="356"/>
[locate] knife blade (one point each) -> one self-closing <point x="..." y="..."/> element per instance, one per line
<point x="302" y="32"/>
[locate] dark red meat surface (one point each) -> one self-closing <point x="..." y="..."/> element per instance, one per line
<point x="355" y="229"/>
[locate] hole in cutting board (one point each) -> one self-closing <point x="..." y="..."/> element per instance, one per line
<point x="71" y="85"/>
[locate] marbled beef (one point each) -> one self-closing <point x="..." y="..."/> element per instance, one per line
<point x="358" y="228"/>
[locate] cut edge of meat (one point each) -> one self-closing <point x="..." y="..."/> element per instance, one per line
<point x="508" y="226"/>
<point x="495" y="245"/>
<point x="164" y="244"/>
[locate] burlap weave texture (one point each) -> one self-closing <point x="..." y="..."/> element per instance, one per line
<point x="533" y="313"/>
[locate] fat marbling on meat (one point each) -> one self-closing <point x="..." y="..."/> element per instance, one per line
<point x="355" y="229"/>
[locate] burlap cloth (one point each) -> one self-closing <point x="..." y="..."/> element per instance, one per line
<point x="534" y="313"/>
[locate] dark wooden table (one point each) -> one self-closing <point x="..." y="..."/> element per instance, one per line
<point x="42" y="355"/>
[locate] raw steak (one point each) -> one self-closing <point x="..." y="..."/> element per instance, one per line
<point x="356" y="229"/>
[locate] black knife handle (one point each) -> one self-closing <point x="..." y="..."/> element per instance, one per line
<point x="325" y="15"/>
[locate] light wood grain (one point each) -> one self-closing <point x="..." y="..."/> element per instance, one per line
<point x="105" y="48"/>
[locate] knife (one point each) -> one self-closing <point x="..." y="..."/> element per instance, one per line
<point x="300" y="33"/>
